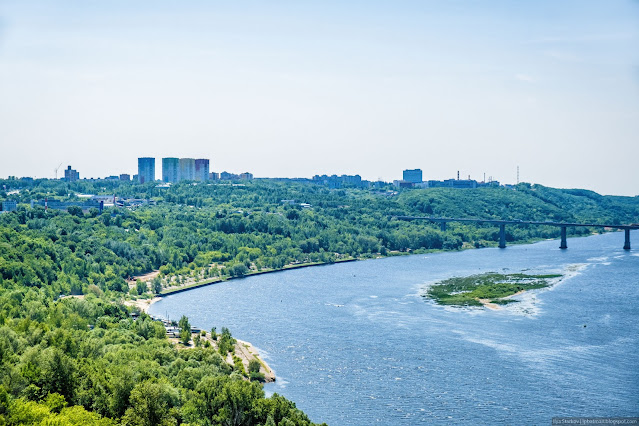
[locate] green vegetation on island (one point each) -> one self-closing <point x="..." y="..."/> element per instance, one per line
<point x="491" y="287"/>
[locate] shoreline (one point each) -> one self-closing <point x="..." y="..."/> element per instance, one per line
<point x="269" y="375"/>
<point x="494" y="306"/>
<point x="243" y="349"/>
<point x="217" y="280"/>
<point x="248" y="351"/>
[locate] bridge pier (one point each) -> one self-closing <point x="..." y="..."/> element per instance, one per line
<point x="442" y="225"/>
<point x="563" y="245"/>
<point x="502" y="235"/>
<point x="626" y="245"/>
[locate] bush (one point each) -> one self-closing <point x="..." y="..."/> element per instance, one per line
<point x="254" y="366"/>
<point x="257" y="377"/>
<point x="239" y="365"/>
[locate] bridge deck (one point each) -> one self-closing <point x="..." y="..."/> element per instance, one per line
<point x="513" y="222"/>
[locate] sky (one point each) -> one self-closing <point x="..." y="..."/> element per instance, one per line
<point x="298" y="88"/>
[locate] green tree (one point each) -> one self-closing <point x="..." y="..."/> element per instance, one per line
<point x="57" y="373"/>
<point x="226" y="342"/>
<point x="157" y="285"/>
<point x="141" y="287"/>
<point x="75" y="210"/>
<point x="185" y="330"/>
<point x="152" y="404"/>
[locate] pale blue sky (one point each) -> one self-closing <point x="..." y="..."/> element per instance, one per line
<point x="293" y="88"/>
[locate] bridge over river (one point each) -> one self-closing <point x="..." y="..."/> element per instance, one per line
<point x="502" y="226"/>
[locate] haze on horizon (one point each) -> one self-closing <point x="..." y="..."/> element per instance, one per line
<point x="293" y="89"/>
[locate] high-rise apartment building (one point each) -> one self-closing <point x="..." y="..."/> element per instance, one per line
<point x="187" y="169"/>
<point x="201" y="169"/>
<point x="146" y="169"/>
<point x="170" y="169"/>
<point x="71" y="175"/>
<point x="413" y="176"/>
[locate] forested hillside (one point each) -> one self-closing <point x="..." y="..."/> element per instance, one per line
<point x="86" y="362"/>
<point x="85" y="359"/>
<point x="222" y="230"/>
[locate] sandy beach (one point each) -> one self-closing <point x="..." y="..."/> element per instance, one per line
<point x="142" y="304"/>
<point x="244" y="350"/>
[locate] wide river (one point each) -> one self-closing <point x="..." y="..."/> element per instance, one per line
<point x="357" y="344"/>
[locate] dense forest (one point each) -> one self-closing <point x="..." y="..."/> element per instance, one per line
<point x="66" y="360"/>
<point x="220" y="230"/>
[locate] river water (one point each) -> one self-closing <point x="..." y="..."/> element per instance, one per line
<point x="357" y="344"/>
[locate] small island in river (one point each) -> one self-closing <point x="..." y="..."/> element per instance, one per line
<point x="486" y="289"/>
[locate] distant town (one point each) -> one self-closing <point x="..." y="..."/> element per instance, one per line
<point x="191" y="169"/>
<point x="194" y="170"/>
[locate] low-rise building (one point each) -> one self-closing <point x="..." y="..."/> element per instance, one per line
<point x="9" y="205"/>
<point x="403" y="184"/>
<point x="228" y="176"/>
<point x="335" y="181"/>
<point x="453" y="183"/>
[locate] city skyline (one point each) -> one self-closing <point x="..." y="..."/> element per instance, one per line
<point x="173" y="170"/>
<point x="290" y="90"/>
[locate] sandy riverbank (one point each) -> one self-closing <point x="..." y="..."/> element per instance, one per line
<point x="488" y="304"/>
<point x="142" y="304"/>
<point x="244" y="350"/>
<point x="247" y="352"/>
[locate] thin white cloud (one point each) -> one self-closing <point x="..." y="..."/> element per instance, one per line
<point x="525" y="78"/>
<point x="585" y="38"/>
<point x="562" y="56"/>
